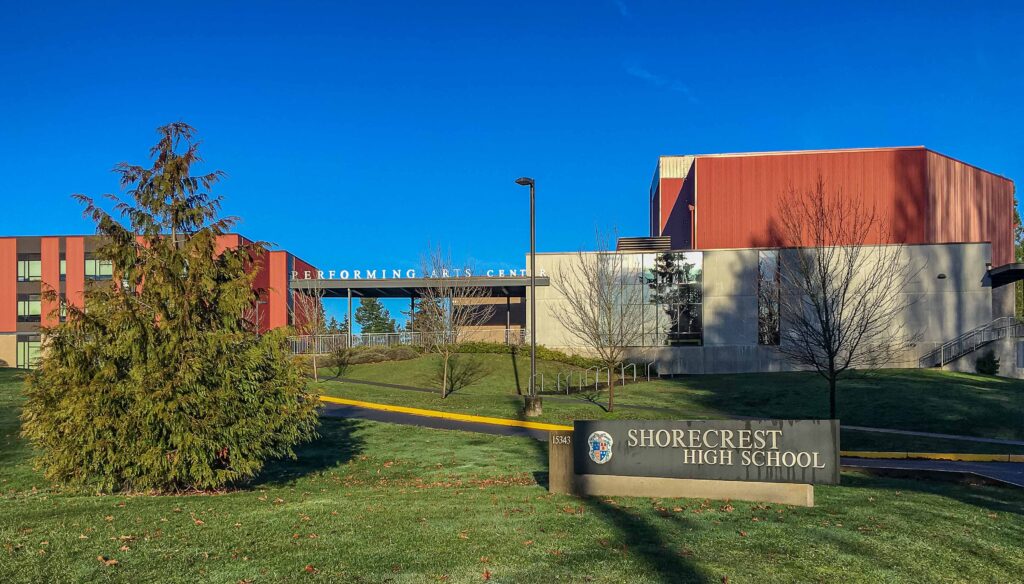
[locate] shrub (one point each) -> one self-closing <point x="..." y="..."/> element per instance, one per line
<point x="987" y="363"/>
<point x="543" y="352"/>
<point x="361" y="355"/>
<point x="162" y="384"/>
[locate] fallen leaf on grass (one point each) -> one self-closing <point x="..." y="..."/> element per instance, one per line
<point x="463" y="535"/>
<point x="487" y="575"/>
<point x="309" y="569"/>
<point x="124" y="548"/>
<point x="528" y="542"/>
<point x="107" y="561"/>
<point x="743" y="533"/>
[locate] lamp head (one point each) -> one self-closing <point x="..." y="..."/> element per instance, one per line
<point x="524" y="181"/>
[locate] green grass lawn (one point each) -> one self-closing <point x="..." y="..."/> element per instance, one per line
<point x="371" y="502"/>
<point x="902" y="399"/>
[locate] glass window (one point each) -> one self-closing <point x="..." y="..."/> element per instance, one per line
<point x="28" y="353"/>
<point x="96" y="269"/>
<point x="675" y="281"/>
<point x="63" y="268"/>
<point x="768" y="319"/>
<point x="29" y="308"/>
<point x="29" y="270"/>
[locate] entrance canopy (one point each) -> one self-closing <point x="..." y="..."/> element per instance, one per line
<point x="1006" y="274"/>
<point x="497" y="287"/>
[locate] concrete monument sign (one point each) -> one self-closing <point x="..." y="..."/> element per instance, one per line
<point x="775" y="451"/>
<point x="755" y="460"/>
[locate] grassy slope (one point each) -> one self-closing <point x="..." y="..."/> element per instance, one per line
<point x="922" y="400"/>
<point x="373" y="502"/>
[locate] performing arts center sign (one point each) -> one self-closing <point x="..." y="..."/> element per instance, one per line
<point x="761" y="460"/>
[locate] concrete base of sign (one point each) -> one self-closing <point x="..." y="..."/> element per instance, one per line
<point x="562" y="479"/>
<point x="618" y="486"/>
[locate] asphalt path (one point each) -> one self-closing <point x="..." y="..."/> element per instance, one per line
<point x="1007" y="472"/>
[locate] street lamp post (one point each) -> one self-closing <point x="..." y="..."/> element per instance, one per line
<point x="534" y="406"/>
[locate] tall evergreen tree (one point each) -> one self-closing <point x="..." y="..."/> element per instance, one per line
<point x="160" y="382"/>
<point x="373" y="317"/>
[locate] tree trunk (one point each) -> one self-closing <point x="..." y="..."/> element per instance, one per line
<point x="832" y="396"/>
<point x="444" y="376"/>
<point x="316" y="374"/>
<point x="611" y="392"/>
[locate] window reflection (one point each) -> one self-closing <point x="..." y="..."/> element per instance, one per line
<point x="675" y="282"/>
<point x="768" y="297"/>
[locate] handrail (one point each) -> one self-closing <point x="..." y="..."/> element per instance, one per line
<point x="541" y="383"/>
<point x="568" y="381"/>
<point x="649" y="365"/>
<point x="622" y="370"/>
<point x="971" y="341"/>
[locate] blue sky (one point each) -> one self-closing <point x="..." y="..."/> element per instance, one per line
<point x="354" y="134"/>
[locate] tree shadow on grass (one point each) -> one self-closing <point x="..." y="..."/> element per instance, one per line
<point x="337" y="443"/>
<point x="638" y="534"/>
<point x="975" y="492"/>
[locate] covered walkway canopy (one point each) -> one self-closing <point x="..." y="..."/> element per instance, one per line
<point x="497" y="287"/>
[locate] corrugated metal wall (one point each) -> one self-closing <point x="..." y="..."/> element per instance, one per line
<point x="738" y="197"/>
<point x="970" y="204"/>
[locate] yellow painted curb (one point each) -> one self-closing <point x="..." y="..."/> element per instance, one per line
<point x="871" y="454"/>
<point x="444" y="415"/>
<point x="555" y="427"/>
<point x="956" y="456"/>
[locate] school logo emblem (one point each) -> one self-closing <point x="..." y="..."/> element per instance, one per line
<point x="600" y="447"/>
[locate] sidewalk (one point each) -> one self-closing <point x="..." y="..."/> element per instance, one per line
<point x="1011" y="473"/>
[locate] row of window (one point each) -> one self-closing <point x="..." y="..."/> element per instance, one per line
<point x="27" y="353"/>
<point x="30" y="308"/>
<point x="30" y="269"/>
<point x="666" y="292"/>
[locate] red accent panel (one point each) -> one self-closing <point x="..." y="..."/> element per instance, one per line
<point x="277" y="293"/>
<point x="737" y="197"/>
<point x="8" y="285"/>
<point x="227" y="241"/>
<point x="49" y="248"/>
<point x="74" y="281"/>
<point x="970" y="204"/>
<point x="669" y="189"/>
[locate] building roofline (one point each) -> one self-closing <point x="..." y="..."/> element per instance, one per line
<point x="834" y="151"/>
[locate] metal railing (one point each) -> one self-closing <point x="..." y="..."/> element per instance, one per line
<point x="972" y="340"/>
<point x="326" y="344"/>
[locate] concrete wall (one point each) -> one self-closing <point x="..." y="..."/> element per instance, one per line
<point x="8" y="350"/>
<point x="939" y="308"/>
<point x="1007" y="350"/>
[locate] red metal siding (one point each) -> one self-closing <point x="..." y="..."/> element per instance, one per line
<point x="738" y="197"/>
<point x="8" y="285"/>
<point x="74" y="280"/>
<point x="969" y="204"/>
<point x="670" y="189"/>
<point x="302" y="312"/>
<point x="49" y="250"/>
<point x="227" y="241"/>
<point x="277" y="289"/>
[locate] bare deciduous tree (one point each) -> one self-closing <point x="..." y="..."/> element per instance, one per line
<point x="449" y="312"/>
<point x="843" y="300"/>
<point x="307" y="308"/>
<point x="601" y="305"/>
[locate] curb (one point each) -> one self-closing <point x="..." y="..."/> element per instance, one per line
<point x="954" y="456"/>
<point x="444" y="415"/>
